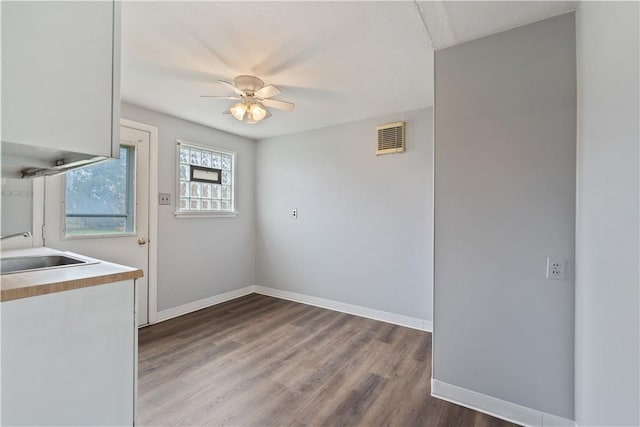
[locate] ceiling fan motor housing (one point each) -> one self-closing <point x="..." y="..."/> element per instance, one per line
<point x="248" y="83"/>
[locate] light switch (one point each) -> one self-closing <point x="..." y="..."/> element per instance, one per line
<point x="164" y="199"/>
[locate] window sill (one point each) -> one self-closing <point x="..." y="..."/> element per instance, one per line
<point x="205" y="214"/>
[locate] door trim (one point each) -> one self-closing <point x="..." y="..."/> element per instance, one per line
<point x="152" y="276"/>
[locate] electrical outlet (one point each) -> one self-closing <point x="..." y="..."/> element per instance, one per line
<point x="556" y="268"/>
<point x="164" y="199"/>
<point x="294" y="213"/>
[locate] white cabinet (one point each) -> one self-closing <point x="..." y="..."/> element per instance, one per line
<point x="69" y="358"/>
<point x="60" y="78"/>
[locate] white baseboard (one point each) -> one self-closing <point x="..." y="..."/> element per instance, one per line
<point x="496" y="407"/>
<point x="370" y="313"/>
<point x="202" y="303"/>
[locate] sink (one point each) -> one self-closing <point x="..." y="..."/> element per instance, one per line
<point x="40" y="262"/>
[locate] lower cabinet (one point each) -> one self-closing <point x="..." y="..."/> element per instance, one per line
<point x="69" y="358"/>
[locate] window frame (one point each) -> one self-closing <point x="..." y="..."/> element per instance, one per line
<point x="204" y="214"/>
<point x="132" y="170"/>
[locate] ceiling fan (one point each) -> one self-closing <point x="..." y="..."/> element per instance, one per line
<point x="254" y="97"/>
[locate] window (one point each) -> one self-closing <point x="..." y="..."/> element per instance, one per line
<point x="100" y="198"/>
<point x="206" y="184"/>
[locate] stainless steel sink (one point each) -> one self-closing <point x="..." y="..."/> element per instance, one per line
<point x="40" y="262"/>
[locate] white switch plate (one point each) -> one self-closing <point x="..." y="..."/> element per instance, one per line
<point x="164" y="199"/>
<point x="556" y="268"/>
<point x="294" y="213"/>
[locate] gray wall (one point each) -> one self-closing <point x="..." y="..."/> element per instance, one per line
<point x="607" y="276"/>
<point x="363" y="235"/>
<point x="505" y="134"/>
<point x="200" y="257"/>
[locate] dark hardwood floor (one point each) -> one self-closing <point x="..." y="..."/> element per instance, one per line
<point x="262" y="361"/>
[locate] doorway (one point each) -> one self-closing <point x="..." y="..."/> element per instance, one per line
<point x="105" y="210"/>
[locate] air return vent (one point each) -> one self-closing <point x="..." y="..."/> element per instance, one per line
<point x="390" y="138"/>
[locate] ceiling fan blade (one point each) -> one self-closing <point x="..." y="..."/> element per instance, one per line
<point x="268" y="91"/>
<point x="232" y="87"/>
<point x="220" y="97"/>
<point x="282" y="105"/>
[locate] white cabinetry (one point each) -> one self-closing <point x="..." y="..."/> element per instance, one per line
<point x="68" y="358"/>
<point x="60" y="79"/>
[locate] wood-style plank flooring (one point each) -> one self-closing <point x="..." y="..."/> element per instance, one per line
<point x="262" y="361"/>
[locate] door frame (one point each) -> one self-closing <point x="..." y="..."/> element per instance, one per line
<point x="152" y="273"/>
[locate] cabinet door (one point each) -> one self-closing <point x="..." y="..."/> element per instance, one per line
<point x="58" y="75"/>
<point x="69" y="358"/>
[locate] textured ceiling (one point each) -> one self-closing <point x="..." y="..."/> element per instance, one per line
<point x="337" y="61"/>
<point x="455" y="22"/>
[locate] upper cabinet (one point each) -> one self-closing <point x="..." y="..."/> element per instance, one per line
<point x="60" y="83"/>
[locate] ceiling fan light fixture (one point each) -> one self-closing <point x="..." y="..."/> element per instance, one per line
<point x="239" y="110"/>
<point x="258" y="112"/>
<point x="254" y="99"/>
<point x="249" y="118"/>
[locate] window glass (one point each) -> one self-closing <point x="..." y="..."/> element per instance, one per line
<point x="205" y="180"/>
<point x="100" y="198"/>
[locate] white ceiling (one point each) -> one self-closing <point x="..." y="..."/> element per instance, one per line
<point x="337" y="61"/>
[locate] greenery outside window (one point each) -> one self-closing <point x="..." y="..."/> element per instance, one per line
<point x="100" y="198"/>
<point x="206" y="181"/>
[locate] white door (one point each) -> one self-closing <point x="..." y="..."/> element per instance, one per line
<point x="105" y="211"/>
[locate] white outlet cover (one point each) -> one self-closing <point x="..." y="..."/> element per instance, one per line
<point x="556" y="268"/>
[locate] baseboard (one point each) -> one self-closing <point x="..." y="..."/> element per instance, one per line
<point x="202" y="303"/>
<point x="370" y="313"/>
<point x="496" y="407"/>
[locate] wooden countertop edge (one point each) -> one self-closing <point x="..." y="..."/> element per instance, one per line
<point x="67" y="285"/>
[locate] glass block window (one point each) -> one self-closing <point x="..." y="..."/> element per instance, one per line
<point x="205" y="180"/>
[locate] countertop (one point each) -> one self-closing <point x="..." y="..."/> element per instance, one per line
<point x="40" y="282"/>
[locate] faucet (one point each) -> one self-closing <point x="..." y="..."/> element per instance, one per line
<point x="23" y="234"/>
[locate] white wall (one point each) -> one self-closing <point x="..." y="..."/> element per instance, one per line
<point x="198" y="258"/>
<point x="17" y="205"/>
<point x="607" y="276"/>
<point x="505" y="114"/>
<point x="363" y="235"/>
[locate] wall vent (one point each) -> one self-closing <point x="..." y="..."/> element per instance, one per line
<point x="390" y="138"/>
